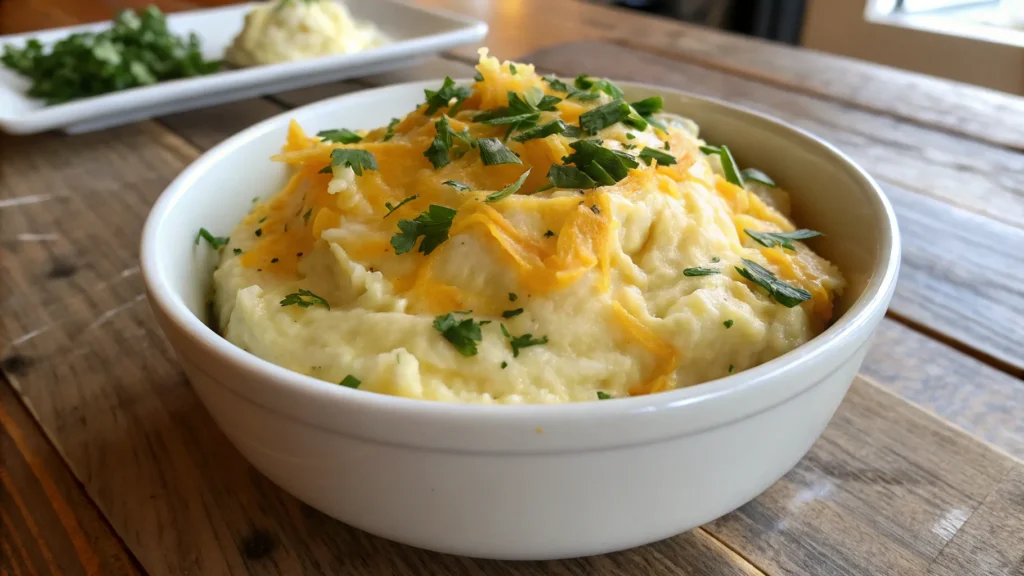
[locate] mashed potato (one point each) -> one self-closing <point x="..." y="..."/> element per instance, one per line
<point x="404" y="260"/>
<point x="287" y="30"/>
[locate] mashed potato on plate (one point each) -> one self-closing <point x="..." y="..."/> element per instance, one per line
<point x="522" y="240"/>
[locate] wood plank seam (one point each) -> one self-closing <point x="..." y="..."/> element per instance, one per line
<point x="745" y="557"/>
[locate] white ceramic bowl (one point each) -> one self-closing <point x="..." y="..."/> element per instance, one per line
<point x="524" y="482"/>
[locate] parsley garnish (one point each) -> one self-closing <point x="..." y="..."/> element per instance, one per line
<point x="478" y="76"/>
<point x="300" y="299"/>
<point x="357" y="160"/>
<point x="757" y="176"/>
<point x="731" y="367"/>
<point x="390" y="132"/>
<point x="649" y="154"/>
<point x="521" y="112"/>
<point x="549" y="234"/>
<point x="463" y="334"/>
<point x="544" y="130"/>
<point x="305" y="217"/>
<point x="729" y="166"/>
<point x="648" y="105"/>
<point x="512" y="297"/>
<point x="603" y="395"/>
<point x="237" y="251"/>
<point x="351" y="381"/>
<point x="584" y="82"/>
<point x="216" y="242"/>
<point x="511" y="313"/>
<point x="604" y="166"/>
<point x="342" y="136"/>
<point x="437" y="99"/>
<point x="512" y="68"/>
<point x="457" y="185"/>
<point x="700" y="271"/>
<point x="259" y="232"/>
<point x="520" y="342"/>
<point x="573" y="93"/>
<point x="508" y="190"/>
<point x="437" y="153"/>
<point x="715" y="259"/>
<point x="788" y="296"/>
<point x="433" y="224"/>
<point x="728" y="323"/>
<point x="493" y="152"/>
<point x="592" y="121"/>
<point x="784" y="239"/>
<point x="399" y="205"/>
<point x="504" y="364"/>
<point x="569" y="177"/>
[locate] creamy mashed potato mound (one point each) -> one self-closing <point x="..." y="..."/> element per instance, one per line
<point x="287" y="30"/>
<point x="548" y="294"/>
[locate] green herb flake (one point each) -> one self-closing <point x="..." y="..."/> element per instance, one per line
<point x="605" y="167"/>
<point x="215" y="242"/>
<point x="432" y="224"/>
<point x="512" y="68"/>
<point x="784" y="239"/>
<point x="544" y="130"/>
<point x="477" y="76"/>
<point x="757" y="176"/>
<point x="728" y="324"/>
<point x="457" y="185"/>
<point x="237" y="251"/>
<point x="603" y="395"/>
<point x="508" y="190"/>
<point x="569" y="177"/>
<point x="584" y="82"/>
<point x="259" y="232"/>
<point x="519" y="342"/>
<point x="305" y="217"/>
<point x="357" y="160"/>
<point x="700" y="271"/>
<point x="351" y="381"/>
<point x="437" y="153"/>
<point x="649" y="155"/>
<point x="788" y="296"/>
<point x="511" y="313"/>
<point x="592" y="121"/>
<point x="493" y="152"/>
<point x="399" y="205"/>
<point x="437" y="99"/>
<point x="504" y="364"/>
<point x="648" y="106"/>
<point x="512" y="297"/>
<point x="549" y="234"/>
<point x="715" y="259"/>
<point x="462" y="334"/>
<point x="304" y="299"/>
<point x="731" y="368"/>
<point x="389" y="133"/>
<point x="729" y="166"/>
<point x="342" y="136"/>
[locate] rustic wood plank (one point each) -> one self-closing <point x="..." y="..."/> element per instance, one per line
<point x="986" y="402"/>
<point x="83" y="349"/>
<point x="971" y="175"/>
<point x="990" y="541"/>
<point x="935" y="290"/>
<point x="47" y="523"/>
<point x="880" y="493"/>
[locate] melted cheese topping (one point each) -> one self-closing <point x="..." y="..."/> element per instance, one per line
<point x="598" y="272"/>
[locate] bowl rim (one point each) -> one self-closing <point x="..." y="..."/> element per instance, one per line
<point x="871" y="303"/>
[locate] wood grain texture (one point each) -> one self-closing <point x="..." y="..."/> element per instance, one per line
<point x="971" y="175"/>
<point x="47" y="523"/>
<point x="937" y="289"/>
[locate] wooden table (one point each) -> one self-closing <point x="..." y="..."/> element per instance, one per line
<point x="109" y="464"/>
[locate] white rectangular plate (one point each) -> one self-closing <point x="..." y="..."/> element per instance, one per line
<point x="413" y="33"/>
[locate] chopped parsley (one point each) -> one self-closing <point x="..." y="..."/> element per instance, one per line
<point x="520" y="342"/>
<point x="457" y="185"/>
<point x="649" y="154"/>
<point x="603" y="395"/>
<point x="399" y="205"/>
<point x="437" y="153"/>
<point x="595" y="209"/>
<point x="788" y="296"/>
<point x="731" y="367"/>
<point x="478" y="76"/>
<point x="432" y="224"/>
<point x="351" y="381"/>
<point x="728" y="324"/>
<point x="572" y="92"/>
<point x="569" y="177"/>
<point x="262" y="220"/>
<point x="437" y="99"/>
<point x="715" y="259"/>
<point x="512" y="68"/>
<point x="463" y="334"/>
<point x="357" y="160"/>
<point x="508" y="190"/>
<point x="700" y="271"/>
<point x="237" y="251"/>
<point x="493" y="152"/>
<point x="592" y="121"/>
<point x="342" y="136"/>
<point x="605" y="167"/>
<point x="390" y="132"/>
<point x="512" y="297"/>
<point x="784" y="239"/>
<point x="273" y="260"/>
<point x="757" y="176"/>
<point x="584" y="82"/>
<point x="304" y="299"/>
<point x="259" y="232"/>
<point x="648" y="106"/>
<point x="522" y="112"/>
<point x="511" y="313"/>
<point x="729" y="166"/>
<point x="549" y="234"/>
<point x="215" y="242"/>
<point x="305" y="217"/>
<point x="504" y="364"/>
<point x="544" y="130"/>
